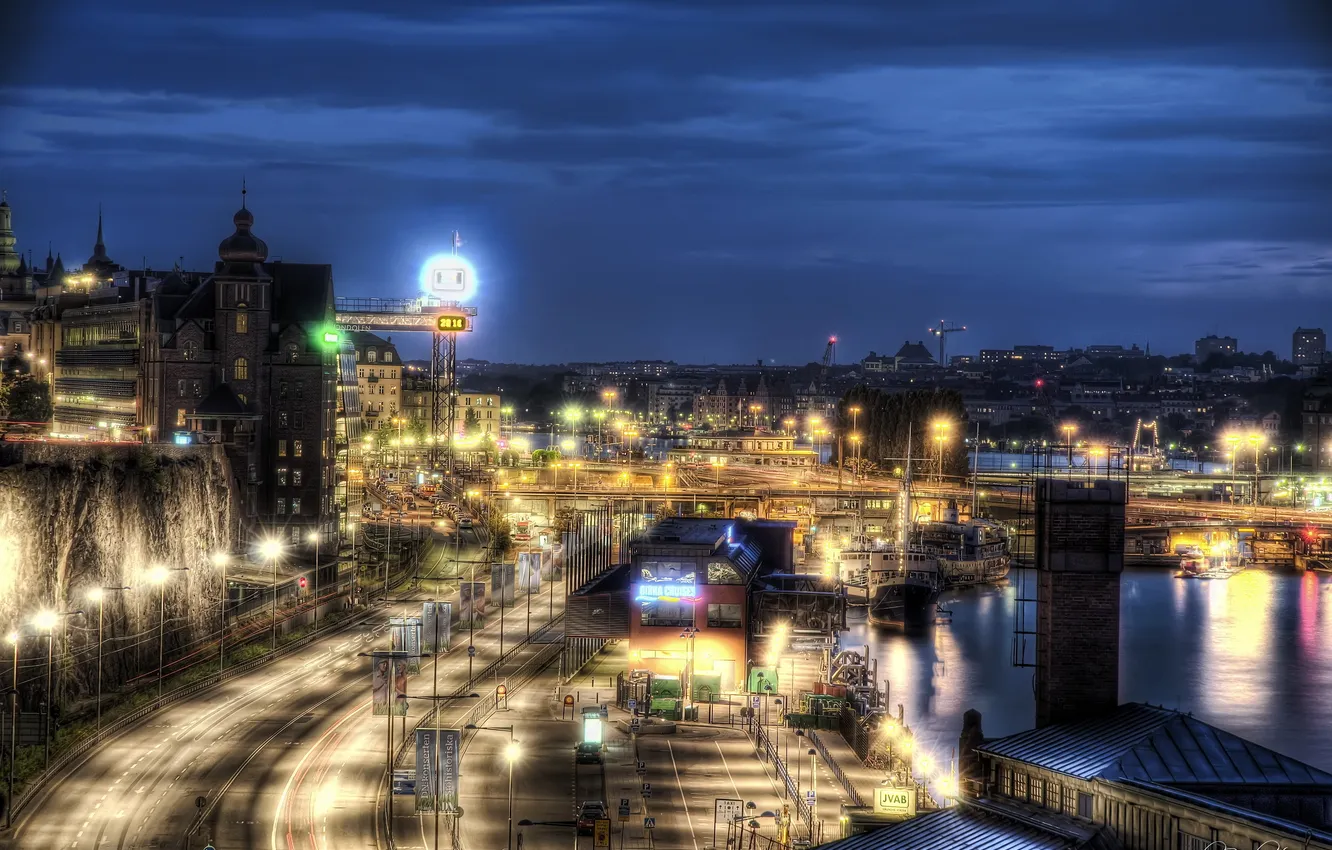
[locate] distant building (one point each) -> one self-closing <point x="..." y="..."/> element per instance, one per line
<point x="957" y="360"/>
<point x="1308" y="346"/>
<point x="914" y="355"/>
<point x="481" y="408"/>
<point x="742" y="449"/>
<point x="1213" y="344"/>
<point x="1097" y="352"/>
<point x="378" y="377"/>
<point x="878" y="363"/>
<point x="1020" y="354"/>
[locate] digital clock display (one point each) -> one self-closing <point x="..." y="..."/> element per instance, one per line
<point x="451" y="323"/>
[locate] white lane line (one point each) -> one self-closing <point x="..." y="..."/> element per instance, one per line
<point x="734" y="787"/>
<point x="683" y="795"/>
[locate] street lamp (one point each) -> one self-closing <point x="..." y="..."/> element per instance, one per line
<point x="158" y="575"/>
<point x="271" y="549"/>
<point x="511" y="754"/>
<point x="940" y="427"/>
<point x="314" y="538"/>
<point x="98" y="595"/>
<point x="220" y="560"/>
<point x="45" y="621"/>
<point x="688" y="635"/>
<point x="1069" y="429"/>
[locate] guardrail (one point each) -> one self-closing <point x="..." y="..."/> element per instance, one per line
<point x="836" y="768"/>
<point x="115" y="728"/>
<point x="803" y="810"/>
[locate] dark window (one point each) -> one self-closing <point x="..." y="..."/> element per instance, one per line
<point x="298" y="419"/>
<point x="296" y="477"/>
<point x="282" y="419"/>
<point x="724" y="616"/>
<point x="254" y="474"/>
<point x="1084" y="805"/>
<point x="295" y="506"/>
<point x="282" y="476"/>
<point x="180" y="388"/>
<point x="282" y="389"/>
<point x="292" y="352"/>
<point x="198" y="389"/>
<point x="300" y="389"/>
<point x="668" y="614"/>
<point x="281" y="506"/>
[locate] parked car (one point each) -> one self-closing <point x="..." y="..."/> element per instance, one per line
<point x="464" y="523"/>
<point x="588" y="814"/>
<point x="587" y="752"/>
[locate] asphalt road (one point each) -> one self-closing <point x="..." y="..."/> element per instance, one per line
<point x="284" y="756"/>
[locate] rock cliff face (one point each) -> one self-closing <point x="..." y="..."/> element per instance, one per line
<point x="75" y="518"/>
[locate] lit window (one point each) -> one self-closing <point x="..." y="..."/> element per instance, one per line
<point x="282" y="448"/>
<point x="189" y="350"/>
<point x="296" y="477"/>
<point x="240" y="369"/>
<point x="388" y="356"/>
<point x="282" y="419"/>
<point x="281" y="506"/>
<point x="242" y="322"/>
<point x="180" y="417"/>
<point x="370" y="355"/>
<point x="296" y="448"/>
<point x="292" y="352"/>
<point x="296" y="506"/>
<point x="282" y="476"/>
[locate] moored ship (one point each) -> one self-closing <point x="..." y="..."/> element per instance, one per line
<point x="969" y="553"/>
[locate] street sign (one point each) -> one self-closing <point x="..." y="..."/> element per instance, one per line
<point x="624" y="808"/>
<point x="634" y="725"/>
<point x="649" y="823"/>
<point x="633" y="705"/>
<point x="810" y="799"/>
<point x="728" y="810"/>
<point x="471" y="652"/>
<point x="755" y="702"/>
<point x="641" y="768"/>
<point x="601" y="832"/>
<point x="404" y="783"/>
<point x="605" y="711"/>
<point x="647" y="789"/>
<point x="200" y="802"/>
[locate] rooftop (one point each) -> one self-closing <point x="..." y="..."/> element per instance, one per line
<point x="973" y="824"/>
<point x="1159" y="745"/>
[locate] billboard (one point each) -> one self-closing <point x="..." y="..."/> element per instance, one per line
<point x="405" y="633"/>
<point x="473" y="601"/>
<point x="529" y="571"/>
<point x="436" y="626"/>
<point x="388" y="683"/>
<point x="448" y="277"/>
<point x="501" y="582"/>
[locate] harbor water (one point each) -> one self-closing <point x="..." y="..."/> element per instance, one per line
<point x="1252" y="655"/>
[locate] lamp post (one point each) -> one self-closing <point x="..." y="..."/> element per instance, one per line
<point x="46" y="621"/>
<point x="270" y="549"/>
<point x="98" y="595"/>
<point x="314" y="538"/>
<point x="1069" y="429"/>
<point x="688" y="635"/>
<point x="158" y="576"/>
<point x="511" y="754"/>
<point x="13" y="639"/>
<point x="940" y="427"/>
<point x="855" y="441"/>
<point x="220" y="560"/>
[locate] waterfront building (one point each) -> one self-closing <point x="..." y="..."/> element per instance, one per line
<point x="1308" y="347"/>
<point x="378" y="377"/>
<point x="734" y="448"/>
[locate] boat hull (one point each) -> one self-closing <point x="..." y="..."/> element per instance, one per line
<point x="903" y="604"/>
<point x="973" y="573"/>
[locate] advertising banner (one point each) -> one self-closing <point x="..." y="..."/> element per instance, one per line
<point x="436" y="626"/>
<point x="473" y="601"/>
<point x="501" y="583"/>
<point x="429" y="627"/>
<point x="406" y="637"/>
<point x="388" y="683"/>
<point x="529" y="571"/>
<point x="437" y="764"/>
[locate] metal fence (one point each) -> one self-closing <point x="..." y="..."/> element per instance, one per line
<point x="836" y="768"/>
<point x="789" y="787"/>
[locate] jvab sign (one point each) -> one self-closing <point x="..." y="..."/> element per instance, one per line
<point x="895" y="801"/>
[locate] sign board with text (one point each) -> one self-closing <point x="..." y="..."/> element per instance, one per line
<point x="895" y="801"/>
<point x="601" y="832"/>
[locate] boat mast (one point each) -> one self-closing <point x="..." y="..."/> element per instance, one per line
<point x="975" y="469"/>
<point x="905" y="534"/>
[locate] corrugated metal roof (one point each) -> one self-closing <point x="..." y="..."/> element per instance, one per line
<point x="954" y="829"/>
<point x="1154" y="744"/>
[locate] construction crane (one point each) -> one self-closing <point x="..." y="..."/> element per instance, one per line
<point x="829" y="358"/>
<point x="942" y="330"/>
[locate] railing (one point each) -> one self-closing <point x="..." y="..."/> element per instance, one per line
<point x="835" y="768"/>
<point x="115" y="728"/>
<point x="803" y="811"/>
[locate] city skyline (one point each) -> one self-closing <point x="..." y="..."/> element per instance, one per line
<point x="1049" y="175"/>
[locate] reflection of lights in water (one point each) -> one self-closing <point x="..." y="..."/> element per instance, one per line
<point x="1179" y="590"/>
<point x="1236" y="663"/>
<point x="1308" y="607"/>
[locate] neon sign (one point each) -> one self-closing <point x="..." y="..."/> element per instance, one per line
<point x="665" y="592"/>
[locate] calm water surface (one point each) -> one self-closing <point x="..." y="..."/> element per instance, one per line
<point x="1252" y="655"/>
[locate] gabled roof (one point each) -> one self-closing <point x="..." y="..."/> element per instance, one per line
<point x="1150" y="744"/>
<point x="915" y="352"/>
<point x="222" y="401"/>
<point x="965" y="826"/>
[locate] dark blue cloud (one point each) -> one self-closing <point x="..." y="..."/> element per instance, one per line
<point x="762" y="174"/>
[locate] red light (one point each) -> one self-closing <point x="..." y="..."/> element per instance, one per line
<point x="301" y="582"/>
<point x="1039" y="383"/>
<point x="832" y="339"/>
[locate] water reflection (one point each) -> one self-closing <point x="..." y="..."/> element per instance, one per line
<point x="1252" y="654"/>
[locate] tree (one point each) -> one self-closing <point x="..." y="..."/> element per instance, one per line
<point x="500" y="532"/>
<point x="884" y="420"/>
<point x="471" y="423"/>
<point x="29" y="401"/>
<point x="418" y="431"/>
<point x="568" y="519"/>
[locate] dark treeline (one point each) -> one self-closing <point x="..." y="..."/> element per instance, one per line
<point x="883" y="421"/>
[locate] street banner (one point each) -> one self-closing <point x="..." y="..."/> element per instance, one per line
<point x="406" y="637"/>
<point x="436" y="625"/>
<point x="437" y="753"/>
<point x="501" y="583"/>
<point x="529" y="571"/>
<point x="388" y="683"/>
<point x="473" y="601"/>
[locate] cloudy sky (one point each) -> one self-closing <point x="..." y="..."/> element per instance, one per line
<point x="710" y="179"/>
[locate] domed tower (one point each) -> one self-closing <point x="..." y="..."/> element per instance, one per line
<point x="243" y="304"/>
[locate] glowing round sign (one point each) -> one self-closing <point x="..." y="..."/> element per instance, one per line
<point x="448" y="277"/>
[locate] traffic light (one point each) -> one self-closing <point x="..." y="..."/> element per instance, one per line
<point x="301" y="582"/>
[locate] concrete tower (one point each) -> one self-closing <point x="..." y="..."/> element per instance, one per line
<point x="1079" y="558"/>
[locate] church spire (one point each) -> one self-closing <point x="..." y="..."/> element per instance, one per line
<point x="99" y="259"/>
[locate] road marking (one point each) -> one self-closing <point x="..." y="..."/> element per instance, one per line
<point x="683" y="795"/>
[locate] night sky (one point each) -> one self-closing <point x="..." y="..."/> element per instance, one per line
<point x="709" y="181"/>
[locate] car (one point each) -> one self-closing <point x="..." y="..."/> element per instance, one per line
<point x="587" y="752"/>
<point x="588" y="814"/>
<point x="464" y="523"/>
